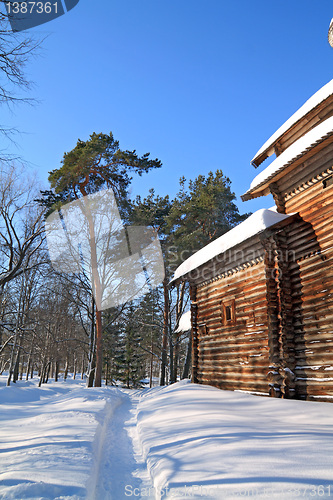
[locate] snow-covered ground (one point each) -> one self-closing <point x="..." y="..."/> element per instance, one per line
<point x="51" y="438"/>
<point x="63" y="441"/>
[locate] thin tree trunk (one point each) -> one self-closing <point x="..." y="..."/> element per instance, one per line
<point x="42" y="373"/>
<point x="17" y="365"/>
<point x="82" y="367"/>
<point x="22" y="367"/>
<point x="172" y="374"/>
<point x="30" y="356"/>
<point x="66" y="369"/>
<point x="91" y="375"/>
<point x="27" y="369"/>
<point x="91" y="363"/>
<point x="187" y="365"/>
<point x="12" y="356"/>
<point x="47" y="372"/>
<point x="99" y="349"/>
<point x="16" y="340"/>
<point x="3" y="366"/>
<point x="165" y="331"/>
<point x="107" y="371"/>
<point x="98" y="294"/>
<point x="176" y="359"/>
<point x="179" y="310"/>
<point x="2" y="287"/>
<point x="151" y="362"/>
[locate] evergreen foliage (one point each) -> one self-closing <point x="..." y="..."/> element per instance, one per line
<point x="201" y="212"/>
<point x="128" y="356"/>
<point x="92" y="165"/>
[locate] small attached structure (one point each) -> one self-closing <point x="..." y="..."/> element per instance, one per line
<point x="262" y="294"/>
<point x="184" y="323"/>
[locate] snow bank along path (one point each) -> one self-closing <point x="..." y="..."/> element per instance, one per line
<point x="63" y="441"/>
<point x="201" y="442"/>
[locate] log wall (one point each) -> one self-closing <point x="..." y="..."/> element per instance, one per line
<point x="311" y="277"/>
<point x="234" y="354"/>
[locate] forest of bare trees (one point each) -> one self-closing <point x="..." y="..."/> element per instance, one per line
<point x="47" y="318"/>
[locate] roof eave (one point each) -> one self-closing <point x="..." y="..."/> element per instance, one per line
<point x="262" y="154"/>
<point x="263" y="188"/>
<point x="258" y="160"/>
<point x="277" y="225"/>
<point x="257" y="192"/>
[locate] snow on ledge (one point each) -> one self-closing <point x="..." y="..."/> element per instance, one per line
<point x="296" y="150"/>
<point x="256" y="223"/>
<point x="310" y="104"/>
<point x="184" y="322"/>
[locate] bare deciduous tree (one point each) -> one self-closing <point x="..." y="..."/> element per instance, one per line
<point x="21" y="225"/>
<point x="16" y="49"/>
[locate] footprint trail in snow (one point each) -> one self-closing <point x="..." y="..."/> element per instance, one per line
<point x="120" y="463"/>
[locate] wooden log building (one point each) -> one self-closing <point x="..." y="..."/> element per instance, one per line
<point x="262" y="294"/>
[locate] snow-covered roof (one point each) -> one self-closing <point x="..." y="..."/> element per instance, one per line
<point x="184" y="322"/>
<point x="256" y="223"/>
<point x="309" y="105"/>
<point x="295" y="151"/>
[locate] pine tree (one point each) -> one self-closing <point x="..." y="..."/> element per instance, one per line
<point x="201" y="212"/>
<point x="153" y="211"/>
<point x="128" y="357"/>
<point x="149" y="321"/>
<point x="90" y="166"/>
<point x="113" y="351"/>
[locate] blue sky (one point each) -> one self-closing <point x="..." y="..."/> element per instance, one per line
<point x="199" y="84"/>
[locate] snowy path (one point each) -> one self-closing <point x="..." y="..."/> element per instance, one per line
<point x="120" y="463"/>
<point x="65" y="442"/>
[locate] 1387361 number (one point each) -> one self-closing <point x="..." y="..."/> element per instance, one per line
<point x="311" y="491"/>
<point x="32" y="7"/>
